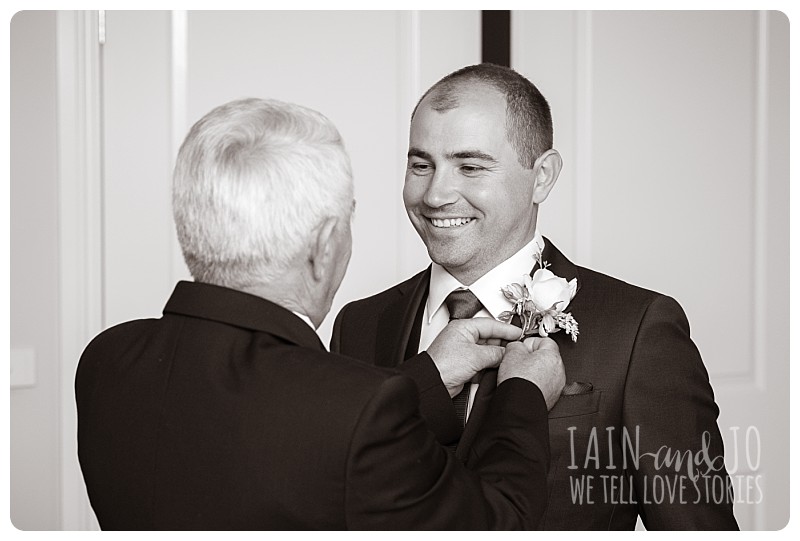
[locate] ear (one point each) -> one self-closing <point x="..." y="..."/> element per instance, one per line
<point x="321" y="256"/>
<point x="546" y="170"/>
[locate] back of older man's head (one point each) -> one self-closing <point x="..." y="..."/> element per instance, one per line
<point x="252" y="181"/>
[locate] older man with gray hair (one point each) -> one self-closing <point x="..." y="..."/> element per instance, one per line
<point x="228" y="412"/>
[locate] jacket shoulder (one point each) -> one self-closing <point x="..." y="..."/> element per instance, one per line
<point x="630" y="305"/>
<point x="355" y="329"/>
<point x="118" y="338"/>
<point x="611" y="287"/>
<point x="379" y="300"/>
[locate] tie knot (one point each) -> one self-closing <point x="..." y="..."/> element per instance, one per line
<point x="462" y="304"/>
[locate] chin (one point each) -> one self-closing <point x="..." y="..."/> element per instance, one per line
<point x="447" y="259"/>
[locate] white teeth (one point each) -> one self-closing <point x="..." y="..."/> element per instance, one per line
<point x="450" y="222"/>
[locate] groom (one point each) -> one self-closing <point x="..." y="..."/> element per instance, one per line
<point x="480" y="162"/>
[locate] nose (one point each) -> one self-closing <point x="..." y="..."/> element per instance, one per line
<point x="441" y="190"/>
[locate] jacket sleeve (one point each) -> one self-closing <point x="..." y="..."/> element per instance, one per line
<point x="669" y="402"/>
<point x="399" y="477"/>
<point x="435" y="403"/>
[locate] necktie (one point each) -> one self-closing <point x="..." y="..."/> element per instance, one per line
<point x="462" y="304"/>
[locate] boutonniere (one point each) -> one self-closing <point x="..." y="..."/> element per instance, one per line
<point x="540" y="302"/>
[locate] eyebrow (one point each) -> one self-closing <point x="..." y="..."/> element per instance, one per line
<point x="419" y="153"/>
<point x="471" y="154"/>
<point x="459" y="155"/>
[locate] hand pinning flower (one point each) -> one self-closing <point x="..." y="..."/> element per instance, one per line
<point x="540" y="302"/>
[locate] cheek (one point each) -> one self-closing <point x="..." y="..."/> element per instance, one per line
<point x="516" y="200"/>
<point x="522" y="191"/>
<point x="486" y="199"/>
<point x="500" y="210"/>
<point x="413" y="192"/>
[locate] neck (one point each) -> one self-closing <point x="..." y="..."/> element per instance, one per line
<point x="469" y="276"/>
<point x="293" y="295"/>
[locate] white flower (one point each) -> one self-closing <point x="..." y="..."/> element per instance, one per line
<point x="540" y="302"/>
<point x="550" y="292"/>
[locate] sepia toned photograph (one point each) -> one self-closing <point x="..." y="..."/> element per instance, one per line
<point x="399" y="270"/>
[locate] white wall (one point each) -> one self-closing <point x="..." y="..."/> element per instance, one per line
<point x="674" y="131"/>
<point x="364" y="70"/>
<point x="34" y="450"/>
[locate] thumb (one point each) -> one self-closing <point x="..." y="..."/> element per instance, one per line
<point x="488" y="356"/>
<point x="537" y="343"/>
<point x="518" y="347"/>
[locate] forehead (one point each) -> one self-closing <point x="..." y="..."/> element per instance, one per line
<point x="478" y="119"/>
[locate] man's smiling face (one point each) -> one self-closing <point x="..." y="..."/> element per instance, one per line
<point x="466" y="193"/>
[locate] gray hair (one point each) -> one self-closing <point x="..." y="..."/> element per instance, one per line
<point x="252" y="181"/>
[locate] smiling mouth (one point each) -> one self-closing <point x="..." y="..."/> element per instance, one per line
<point x="449" y="222"/>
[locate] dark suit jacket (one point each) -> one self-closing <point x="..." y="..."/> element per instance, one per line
<point x="228" y="413"/>
<point x="645" y="373"/>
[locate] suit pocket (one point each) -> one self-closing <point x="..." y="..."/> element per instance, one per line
<point x="577" y="404"/>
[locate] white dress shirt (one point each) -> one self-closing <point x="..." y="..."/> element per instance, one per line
<point x="486" y="288"/>
<point x="306" y="319"/>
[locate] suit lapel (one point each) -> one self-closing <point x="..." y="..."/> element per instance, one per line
<point x="558" y="263"/>
<point x="398" y="321"/>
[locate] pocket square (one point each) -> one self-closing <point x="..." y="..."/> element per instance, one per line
<point x="576" y="387"/>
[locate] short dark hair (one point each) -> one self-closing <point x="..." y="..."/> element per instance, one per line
<point x="529" y="125"/>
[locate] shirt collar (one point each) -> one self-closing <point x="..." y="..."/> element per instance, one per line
<point x="306" y="319"/>
<point x="487" y="287"/>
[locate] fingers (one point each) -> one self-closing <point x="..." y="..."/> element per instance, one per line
<point x="536" y="343"/>
<point x="484" y="328"/>
<point x="493" y="342"/>
<point x="489" y="357"/>
<point x="515" y="352"/>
